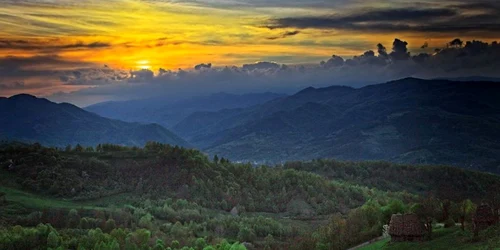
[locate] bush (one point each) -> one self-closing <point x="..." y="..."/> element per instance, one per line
<point x="146" y="221"/>
<point x="175" y="244"/>
<point x="246" y="235"/>
<point x="53" y="240"/>
<point x="200" y="243"/>
<point x="109" y="226"/>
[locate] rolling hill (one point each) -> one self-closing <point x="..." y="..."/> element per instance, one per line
<point x="177" y="194"/>
<point x="410" y="121"/>
<point x="30" y="119"/>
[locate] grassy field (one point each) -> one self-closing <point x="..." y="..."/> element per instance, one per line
<point x="451" y="238"/>
<point x="15" y="196"/>
<point x="33" y="201"/>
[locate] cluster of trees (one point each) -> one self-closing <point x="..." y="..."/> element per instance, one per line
<point x="366" y="222"/>
<point x="164" y="171"/>
<point x="443" y="181"/>
<point x="177" y="222"/>
<point x="178" y="197"/>
<point x="44" y="236"/>
<point x="183" y="219"/>
<point x="359" y="225"/>
<point x="168" y="220"/>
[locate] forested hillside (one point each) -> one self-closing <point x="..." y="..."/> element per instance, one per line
<point x="407" y="121"/>
<point x="30" y="119"/>
<point x="163" y="196"/>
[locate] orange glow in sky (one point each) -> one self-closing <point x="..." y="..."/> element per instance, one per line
<point x="136" y="34"/>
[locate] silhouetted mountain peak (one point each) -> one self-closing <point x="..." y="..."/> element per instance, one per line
<point x="27" y="99"/>
<point x="30" y="119"/>
<point x="407" y="80"/>
<point x="23" y="97"/>
<point x="306" y="90"/>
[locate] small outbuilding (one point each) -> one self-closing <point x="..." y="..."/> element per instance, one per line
<point x="406" y="227"/>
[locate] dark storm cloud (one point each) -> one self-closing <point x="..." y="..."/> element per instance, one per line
<point x="239" y="4"/>
<point x="485" y="17"/>
<point x="284" y="35"/>
<point x="141" y="75"/>
<point x="95" y="76"/>
<point x="260" y="66"/>
<point x="335" y="61"/>
<point x="54" y="69"/>
<point x="399" y="50"/>
<point x="83" y="45"/>
<point x="376" y="15"/>
<point x="48" y="45"/>
<point x="478" y="5"/>
<point x="203" y="66"/>
<point x="453" y="60"/>
<point x="12" y="66"/>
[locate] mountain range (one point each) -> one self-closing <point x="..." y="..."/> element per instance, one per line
<point x="30" y="119"/>
<point x="405" y="121"/>
<point x="169" y="112"/>
<point x="409" y="120"/>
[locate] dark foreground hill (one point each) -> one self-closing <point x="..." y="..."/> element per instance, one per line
<point x="409" y="121"/>
<point x="30" y="119"/>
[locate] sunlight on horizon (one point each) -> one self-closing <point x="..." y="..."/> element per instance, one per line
<point x="143" y="64"/>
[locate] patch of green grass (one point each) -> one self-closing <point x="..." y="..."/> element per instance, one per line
<point x="377" y="245"/>
<point x="115" y="200"/>
<point x="32" y="201"/>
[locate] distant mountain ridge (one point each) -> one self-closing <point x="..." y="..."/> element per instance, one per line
<point x="30" y="119"/>
<point x="409" y="120"/>
<point x="168" y="113"/>
<point x="472" y="79"/>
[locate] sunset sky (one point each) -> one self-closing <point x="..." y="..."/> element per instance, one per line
<point x="42" y="40"/>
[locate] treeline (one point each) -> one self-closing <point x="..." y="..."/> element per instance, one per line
<point x="444" y="182"/>
<point x="166" y="220"/>
<point x="182" y="173"/>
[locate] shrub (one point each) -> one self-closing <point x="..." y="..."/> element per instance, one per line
<point x="175" y="244"/>
<point x="53" y="240"/>
<point x="246" y="235"/>
<point x="146" y="221"/>
<point x="109" y="226"/>
<point x="200" y="243"/>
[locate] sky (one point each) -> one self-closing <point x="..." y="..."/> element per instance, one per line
<point x="89" y="51"/>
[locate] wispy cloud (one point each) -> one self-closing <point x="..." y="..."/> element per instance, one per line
<point x="50" y="45"/>
<point x="466" y="17"/>
<point x="284" y="35"/>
